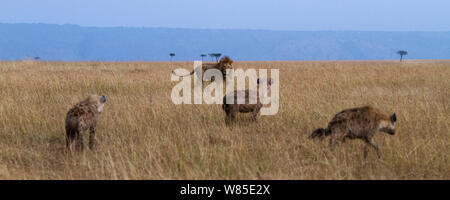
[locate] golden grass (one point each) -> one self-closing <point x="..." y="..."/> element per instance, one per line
<point x="143" y="135"/>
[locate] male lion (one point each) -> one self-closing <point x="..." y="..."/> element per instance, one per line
<point x="224" y="64"/>
<point x="358" y="123"/>
<point x="83" y="116"/>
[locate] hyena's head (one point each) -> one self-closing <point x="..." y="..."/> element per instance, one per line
<point x="98" y="101"/>
<point x="388" y="125"/>
<point x="262" y="93"/>
<point x="269" y="82"/>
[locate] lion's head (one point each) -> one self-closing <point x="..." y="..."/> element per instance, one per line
<point x="226" y="63"/>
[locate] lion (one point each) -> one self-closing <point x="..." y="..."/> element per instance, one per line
<point x="224" y="64"/>
<point x="232" y="108"/>
<point x="82" y="117"/>
<point x="358" y="123"/>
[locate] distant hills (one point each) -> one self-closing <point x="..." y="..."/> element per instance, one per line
<point x="76" y="43"/>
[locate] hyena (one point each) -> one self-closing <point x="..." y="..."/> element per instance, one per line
<point x="232" y="108"/>
<point x="358" y="123"/>
<point x="82" y="117"/>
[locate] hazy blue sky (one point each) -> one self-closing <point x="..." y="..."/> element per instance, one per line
<point x="381" y="15"/>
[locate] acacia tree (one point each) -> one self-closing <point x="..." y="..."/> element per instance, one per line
<point x="402" y="53"/>
<point x="171" y="56"/>
<point x="203" y="55"/>
<point x="217" y="55"/>
<point x="212" y="56"/>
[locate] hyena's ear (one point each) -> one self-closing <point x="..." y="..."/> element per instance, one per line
<point x="394" y="118"/>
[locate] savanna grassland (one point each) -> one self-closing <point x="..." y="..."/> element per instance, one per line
<point x="143" y="135"/>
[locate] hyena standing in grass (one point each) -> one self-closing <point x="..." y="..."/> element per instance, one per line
<point x="82" y="117"/>
<point x="358" y="123"/>
<point x="247" y="106"/>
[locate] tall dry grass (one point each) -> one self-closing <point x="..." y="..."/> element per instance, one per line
<point x="143" y="135"/>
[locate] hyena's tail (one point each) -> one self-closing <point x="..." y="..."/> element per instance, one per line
<point x="320" y="133"/>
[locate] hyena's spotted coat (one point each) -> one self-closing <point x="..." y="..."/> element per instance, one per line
<point x="358" y="123"/>
<point x="247" y="107"/>
<point x="82" y="117"/>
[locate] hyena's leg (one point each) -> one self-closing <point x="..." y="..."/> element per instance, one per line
<point x="336" y="137"/>
<point x="366" y="150"/>
<point x="255" y="114"/>
<point x="91" y="137"/>
<point x="80" y="141"/>
<point x="347" y="135"/>
<point x="230" y="110"/>
<point x="333" y="141"/>
<point x="370" y="142"/>
<point x="343" y="139"/>
<point x="70" y="136"/>
<point x="374" y="145"/>
<point x="230" y="117"/>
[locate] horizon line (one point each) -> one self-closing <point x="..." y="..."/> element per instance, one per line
<point x="183" y="61"/>
<point x="212" y="29"/>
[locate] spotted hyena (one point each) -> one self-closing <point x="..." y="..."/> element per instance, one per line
<point x="82" y="117"/>
<point x="232" y="108"/>
<point x="358" y="123"/>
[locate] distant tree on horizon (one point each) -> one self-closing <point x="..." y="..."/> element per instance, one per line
<point x="216" y="55"/>
<point x="37" y="58"/>
<point x="203" y="55"/>
<point x="171" y="56"/>
<point x="402" y="53"/>
<point x="212" y="56"/>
